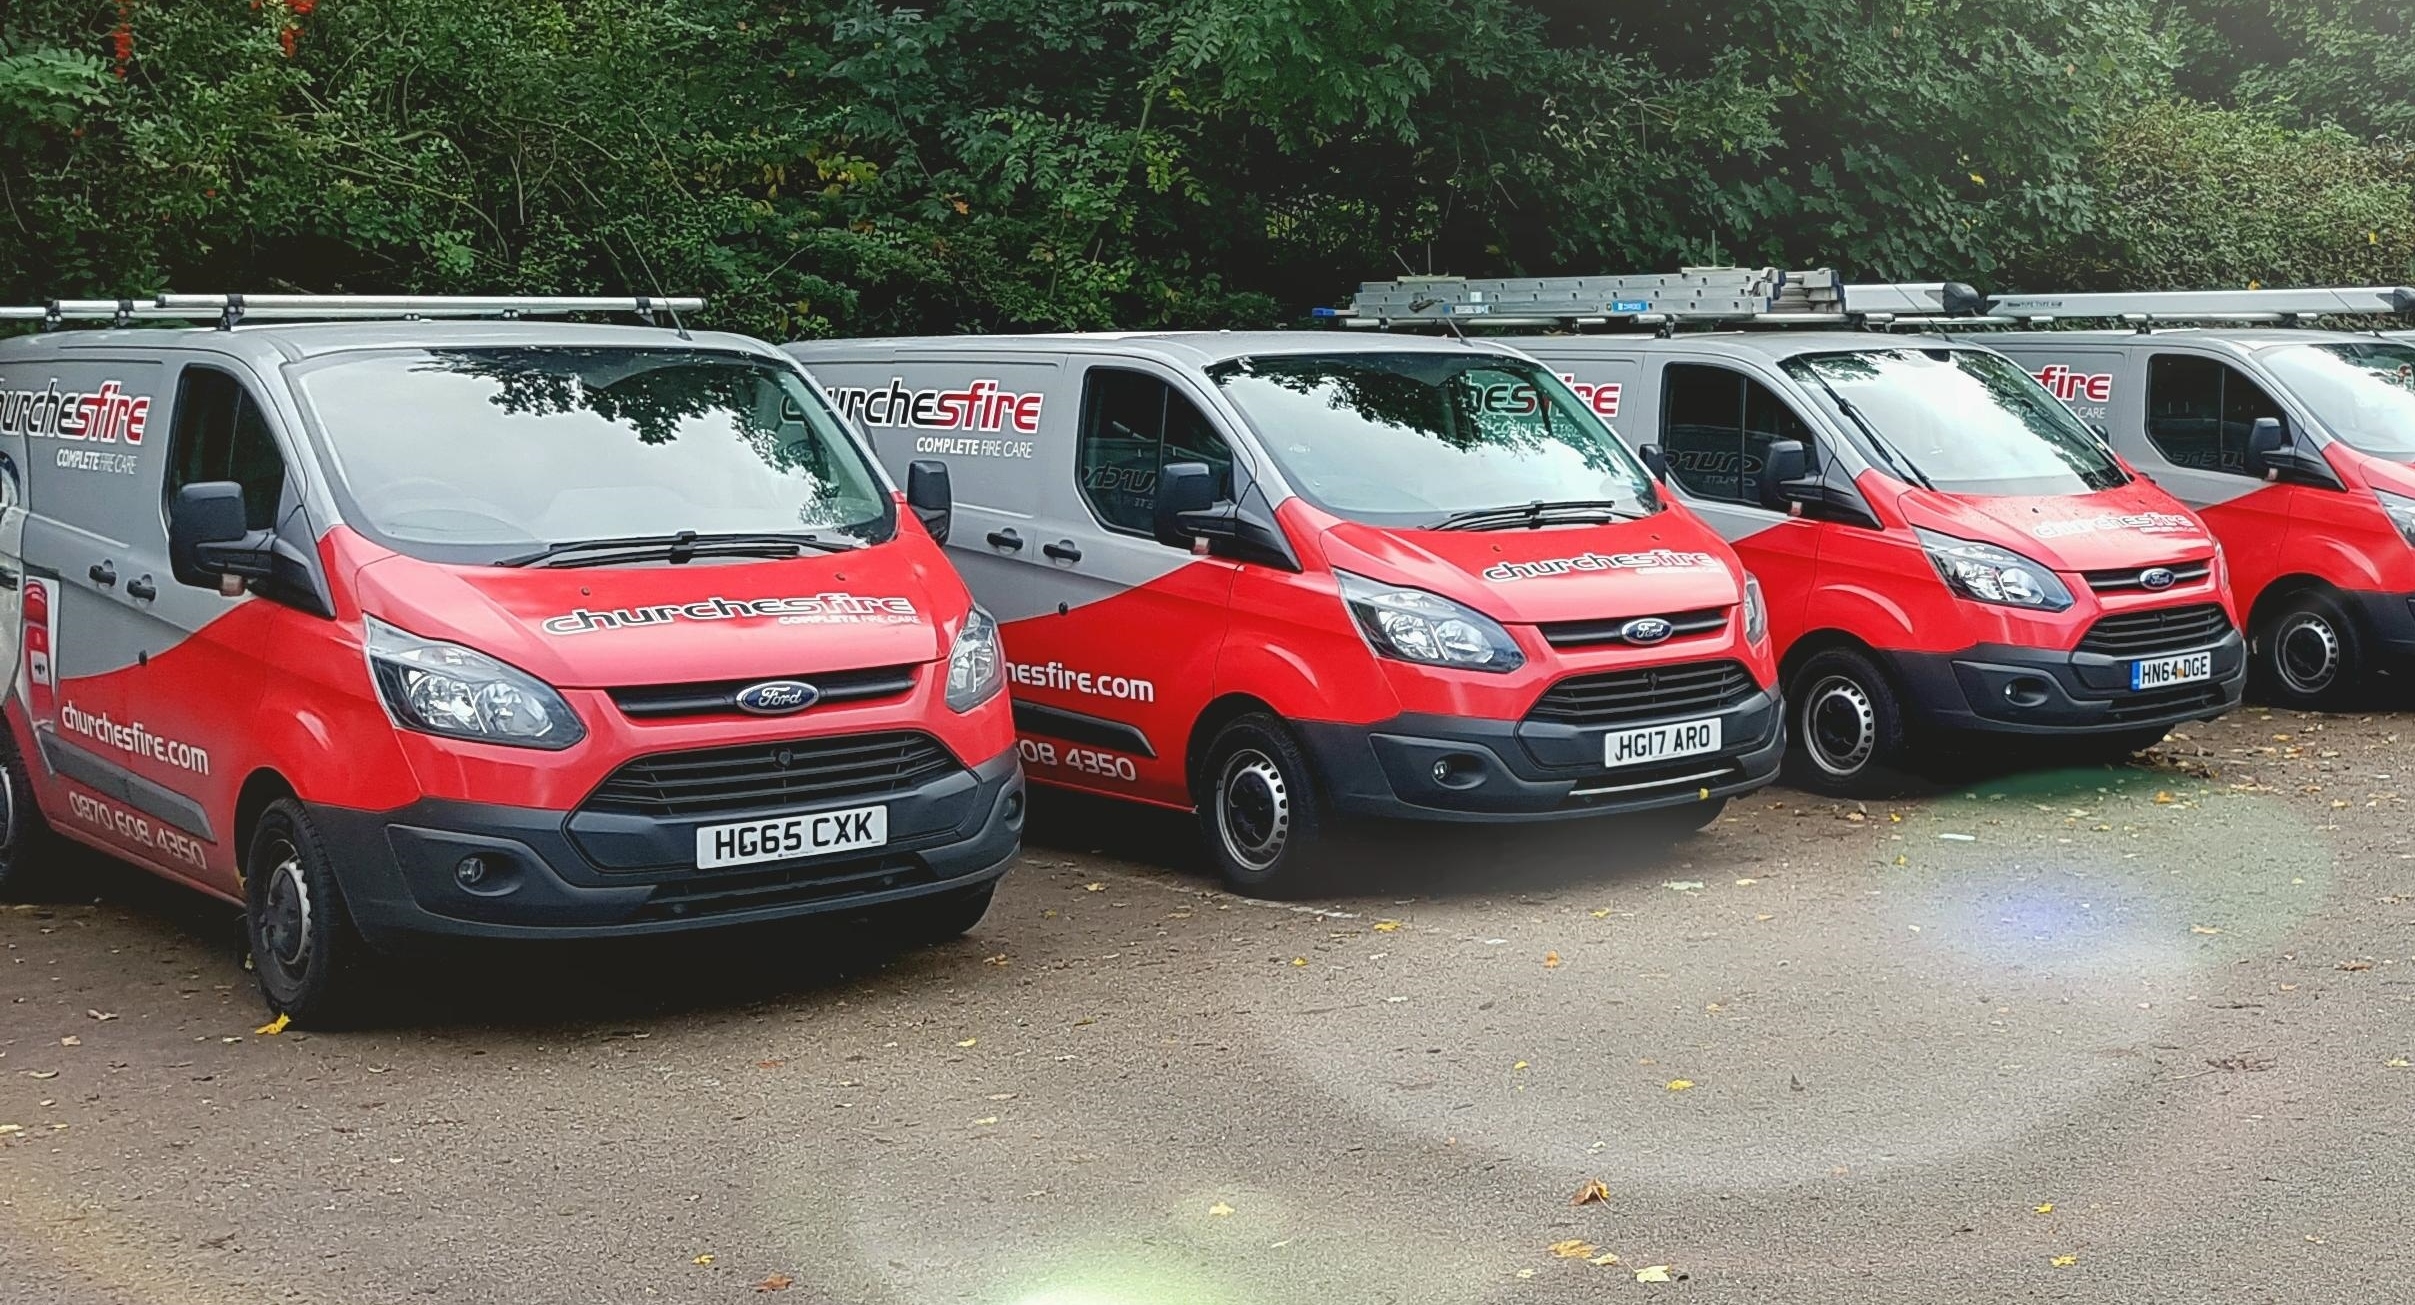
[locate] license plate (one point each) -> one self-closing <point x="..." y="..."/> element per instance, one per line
<point x="2156" y="672"/>
<point x="785" y="838"/>
<point x="1683" y="738"/>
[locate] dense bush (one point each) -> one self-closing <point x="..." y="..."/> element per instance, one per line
<point x="855" y="166"/>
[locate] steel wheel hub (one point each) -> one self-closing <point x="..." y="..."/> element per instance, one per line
<point x="1840" y="726"/>
<point x="1253" y="808"/>
<point x="2306" y="652"/>
<point x="285" y="912"/>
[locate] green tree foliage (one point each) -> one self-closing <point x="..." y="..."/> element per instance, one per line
<point x="865" y="166"/>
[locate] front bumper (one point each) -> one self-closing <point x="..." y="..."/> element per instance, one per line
<point x="1507" y="770"/>
<point x="2390" y="619"/>
<point x="956" y="832"/>
<point x="2002" y="689"/>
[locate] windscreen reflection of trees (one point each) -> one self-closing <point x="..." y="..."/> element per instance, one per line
<point x="2011" y="390"/>
<point x="1446" y="404"/>
<point x="652" y="394"/>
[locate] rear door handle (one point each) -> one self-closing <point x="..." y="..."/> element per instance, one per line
<point x="103" y="572"/>
<point x="141" y="588"/>
<point x="1063" y="550"/>
<point x="1006" y="539"/>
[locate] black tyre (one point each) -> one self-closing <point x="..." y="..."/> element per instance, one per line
<point x="1260" y="809"/>
<point x="1849" y="736"/>
<point x="1671" y="824"/>
<point x="2307" y="653"/>
<point x="940" y="919"/>
<point x="308" y="957"/>
<point x="28" y="848"/>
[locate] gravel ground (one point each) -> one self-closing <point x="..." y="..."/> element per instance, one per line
<point x="2120" y="1034"/>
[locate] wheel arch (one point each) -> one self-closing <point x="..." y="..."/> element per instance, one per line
<point x="261" y="787"/>
<point x="1220" y="712"/>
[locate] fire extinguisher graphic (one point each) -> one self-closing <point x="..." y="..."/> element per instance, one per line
<point x="40" y="688"/>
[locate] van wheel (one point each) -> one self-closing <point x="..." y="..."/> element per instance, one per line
<point x="305" y="951"/>
<point x="2308" y="654"/>
<point x="28" y="848"/>
<point x="1849" y="735"/>
<point x="1260" y="808"/>
<point x="941" y="919"/>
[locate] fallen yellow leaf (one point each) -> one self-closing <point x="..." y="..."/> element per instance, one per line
<point x="1520" y="1065"/>
<point x="1551" y="960"/>
<point x="1653" y="1273"/>
<point x="71" y="1040"/>
<point x="706" y="1258"/>
<point x="2206" y="929"/>
<point x="985" y="1121"/>
<point x="1094" y="888"/>
<point x="274" y="1027"/>
<point x="1525" y="1273"/>
<point x="1602" y="914"/>
<point x="2064" y="1261"/>
<point x="1680" y="1084"/>
<point x="969" y="1042"/>
<point x="1219" y="1210"/>
<point x="2398" y="1062"/>
<point x="1572" y="1249"/>
<point x="1594" y="1190"/>
<point x="1606" y="1257"/>
<point x="1387" y="926"/>
<point x="2045" y="1207"/>
<point x="1299" y="960"/>
<point x="2163" y="799"/>
<point x="776" y="1282"/>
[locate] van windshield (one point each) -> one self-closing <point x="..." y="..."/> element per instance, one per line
<point x="475" y="455"/>
<point x="1961" y="421"/>
<point x="1415" y="439"/>
<point x="2362" y="392"/>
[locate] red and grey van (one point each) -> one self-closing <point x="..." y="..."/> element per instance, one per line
<point x="1947" y="551"/>
<point x="1279" y="578"/>
<point x="2296" y="446"/>
<point x="388" y="629"/>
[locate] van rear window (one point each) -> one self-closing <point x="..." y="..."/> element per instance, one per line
<point x="480" y="454"/>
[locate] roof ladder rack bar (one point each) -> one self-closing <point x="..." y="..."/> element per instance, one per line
<point x="1735" y="296"/>
<point x="2209" y="305"/>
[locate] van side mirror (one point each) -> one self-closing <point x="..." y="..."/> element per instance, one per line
<point x="2273" y="453"/>
<point x="1182" y="488"/>
<point x="208" y="542"/>
<point x="1785" y="465"/>
<point x="2264" y="439"/>
<point x="930" y="495"/>
<point x="1655" y="461"/>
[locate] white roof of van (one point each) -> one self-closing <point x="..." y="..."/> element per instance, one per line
<point x="1180" y="348"/>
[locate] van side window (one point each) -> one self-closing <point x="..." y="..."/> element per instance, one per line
<point x="1134" y="424"/>
<point x="1716" y="428"/>
<point x="221" y="434"/>
<point x="2200" y="411"/>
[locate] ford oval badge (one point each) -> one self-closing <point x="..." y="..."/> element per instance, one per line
<point x="1646" y="629"/>
<point x="2157" y="577"/>
<point x="777" y="697"/>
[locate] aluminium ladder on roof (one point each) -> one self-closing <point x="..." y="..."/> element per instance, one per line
<point x="1733" y="295"/>
<point x="230" y="309"/>
<point x="2208" y="305"/>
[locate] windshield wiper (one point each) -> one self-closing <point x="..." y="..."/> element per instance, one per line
<point x="678" y="548"/>
<point x="1536" y="514"/>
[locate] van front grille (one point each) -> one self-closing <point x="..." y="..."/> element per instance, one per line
<point x="770" y="776"/>
<point x="1584" y="634"/>
<point x="2159" y="630"/>
<point x="2126" y="579"/>
<point x="720" y="697"/>
<point x="1653" y="693"/>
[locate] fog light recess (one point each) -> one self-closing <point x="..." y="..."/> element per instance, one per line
<point x="2027" y="691"/>
<point x="1458" y="770"/>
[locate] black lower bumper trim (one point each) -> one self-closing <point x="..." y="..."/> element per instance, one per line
<point x="1450" y="768"/>
<point x="398" y="868"/>
<point x="2390" y="620"/>
<point x="2002" y="689"/>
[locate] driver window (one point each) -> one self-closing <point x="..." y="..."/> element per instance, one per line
<point x="220" y="433"/>
<point x="1716" y="429"/>
<point x="1133" y="424"/>
<point x="2200" y="412"/>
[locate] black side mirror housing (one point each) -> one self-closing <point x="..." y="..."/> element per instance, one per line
<point x="208" y="542"/>
<point x="2264" y="439"/>
<point x="1784" y="467"/>
<point x="931" y="496"/>
<point x="1183" y="488"/>
<point x="1656" y="461"/>
<point x="2274" y="453"/>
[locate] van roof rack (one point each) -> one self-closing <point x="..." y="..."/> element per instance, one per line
<point x="1731" y="296"/>
<point x="230" y="309"/>
<point x="2289" y="307"/>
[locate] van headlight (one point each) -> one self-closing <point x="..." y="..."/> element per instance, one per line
<point x="1412" y="625"/>
<point x="2401" y="511"/>
<point x="976" y="669"/>
<point x="444" y="688"/>
<point x="1756" y="611"/>
<point x="1985" y="573"/>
